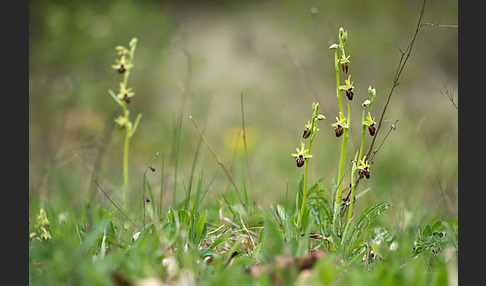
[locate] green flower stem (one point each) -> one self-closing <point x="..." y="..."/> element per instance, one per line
<point x="127" y="125"/>
<point x="126" y="114"/>
<point x="313" y="128"/>
<point x="336" y="65"/>
<point x="354" y="172"/>
<point x="338" y="198"/>
<point x="304" y="196"/>
<point x="125" y="164"/>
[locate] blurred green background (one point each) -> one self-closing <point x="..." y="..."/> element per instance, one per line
<point x="197" y="57"/>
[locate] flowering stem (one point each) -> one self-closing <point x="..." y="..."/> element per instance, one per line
<point x="313" y="129"/>
<point x="124" y="65"/>
<point x="338" y="198"/>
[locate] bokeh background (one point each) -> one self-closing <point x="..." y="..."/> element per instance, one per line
<point x="198" y="57"/>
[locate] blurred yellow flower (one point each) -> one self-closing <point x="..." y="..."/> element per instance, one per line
<point x="233" y="138"/>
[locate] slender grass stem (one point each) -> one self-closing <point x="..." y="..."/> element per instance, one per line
<point x="161" y="186"/>
<point x="226" y="171"/>
<point x="177" y="141"/>
<point x="246" y="152"/>
<point x="116" y="206"/>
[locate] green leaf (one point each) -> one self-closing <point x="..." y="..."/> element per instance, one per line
<point x="221" y="238"/>
<point x="207" y="251"/>
<point x="170" y="215"/>
<point x="113" y="95"/>
<point x="426" y="231"/>
<point x="201" y="226"/>
<point x="135" y="125"/>
<point x="183" y="217"/>
<point x="364" y="222"/>
<point x="271" y="238"/>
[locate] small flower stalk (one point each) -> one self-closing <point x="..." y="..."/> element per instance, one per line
<point x="123" y="65"/>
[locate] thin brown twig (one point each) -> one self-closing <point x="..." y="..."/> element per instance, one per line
<point x="450" y="96"/>
<point x="392" y="127"/>
<point x="438" y="24"/>
<point x="401" y="64"/>
<point x="302" y="73"/>
<point x="228" y="174"/>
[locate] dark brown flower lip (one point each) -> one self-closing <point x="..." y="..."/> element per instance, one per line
<point x="365" y="172"/>
<point x="372" y="129"/>
<point x="339" y="131"/>
<point x="349" y="94"/>
<point x="300" y="161"/>
<point x="121" y="69"/>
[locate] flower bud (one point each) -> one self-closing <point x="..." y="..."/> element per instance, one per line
<point x="344" y="67"/>
<point x="371" y="93"/>
<point x="307" y="133"/>
<point x="339" y="131"/>
<point x="343" y="35"/>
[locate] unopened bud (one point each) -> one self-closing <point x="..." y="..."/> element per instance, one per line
<point x="344" y="67"/>
<point x="307" y="133"/>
